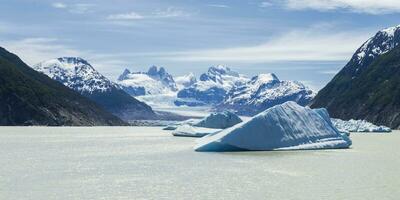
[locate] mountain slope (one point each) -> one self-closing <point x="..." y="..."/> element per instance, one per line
<point x="31" y="98"/>
<point x="264" y="91"/>
<point x="368" y="87"/>
<point x="212" y="87"/>
<point x="153" y="82"/>
<point x="79" y="75"/>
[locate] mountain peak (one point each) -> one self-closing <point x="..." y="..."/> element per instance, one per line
<point x="390" y="31"/>
<point x="266" y="78"/>
<point x="382" y="42"/>
<point x="75" y="73"/>
<point x="73" y="60"/>
<point x="155" y="71"/>
<point x="124" y="75"/>
<point x="219" y="69"/>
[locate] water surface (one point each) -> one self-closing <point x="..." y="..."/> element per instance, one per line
<point x="148" y="163"/>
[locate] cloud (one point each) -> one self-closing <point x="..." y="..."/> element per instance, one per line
<point x="218" y="5"/>
<point x="34" y="50"/>
<point x="59" y="5"/>
<point x="297" y="45"/>
<point x="329" y="72"/>
<point x="359" y="6"/>
<point x="170" y="12"/>
<point x="78" y="8"/>
<point x="125" y="16"/>
<point x="265" y="4"/>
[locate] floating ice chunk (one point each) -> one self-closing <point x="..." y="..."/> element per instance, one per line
<point x="186" y="122"/>
<point x="282" y="127"/>
<point x="219" y="120"/>
<point x="358" y="126"/>
<point x="191" y="131"/>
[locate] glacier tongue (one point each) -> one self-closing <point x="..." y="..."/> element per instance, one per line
<point x="358" y="126"/>
<point x="282" y="127"/>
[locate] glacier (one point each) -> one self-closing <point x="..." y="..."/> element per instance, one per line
<point x="211" y="88"/>
<point x="185" y="81"/>
<point x="153" y="82"/>
<point x="287" y="126"/>
<point x="358" y="126"/>
<point x="264" y="91"/>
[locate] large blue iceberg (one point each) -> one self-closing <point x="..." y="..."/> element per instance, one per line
<point x="288" y="126"/>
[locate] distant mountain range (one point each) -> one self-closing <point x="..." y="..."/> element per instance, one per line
<point x="227" y="89"/>
<point x="212" y="87"/>
<point x="77" y="74"/>
<point x="264" y="91"/>
<point x="154" y="81"/>
<point x="368" y="87"/>
<point x="31" y="98"/>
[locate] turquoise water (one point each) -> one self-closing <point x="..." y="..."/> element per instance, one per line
<point x="148" y="163"/>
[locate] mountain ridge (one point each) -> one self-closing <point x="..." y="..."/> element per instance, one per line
<point x="31" y="98"/>
<point x="77" y="74"/>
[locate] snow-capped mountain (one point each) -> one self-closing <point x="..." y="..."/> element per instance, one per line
<point x="211" y="88"/>
<point x="366" y="88"/>
<point x="154" y="81"/>
<point x="383" y="41"/>
<point x="77" y="74"/>
<point x="264" y="91"/>
<point x="185" y="80"/>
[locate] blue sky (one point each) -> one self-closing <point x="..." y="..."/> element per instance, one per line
<point x="305" y="40"/>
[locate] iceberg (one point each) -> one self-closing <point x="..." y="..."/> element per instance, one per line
<point x="174" y="126"/>
<point x="358" y="126"/>
<point x="220" y="120"/>
<point x="192" y="131"/>
<point x="287" y="126"/>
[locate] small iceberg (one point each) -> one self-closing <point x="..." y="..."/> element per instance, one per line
<point x="192" y="131"/>
<point x="358" y="126"/>
<point x="174" y="126"/>
<point x="283" y="127"/>
<point x="219" y="120"/>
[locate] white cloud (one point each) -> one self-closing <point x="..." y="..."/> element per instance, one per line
<point x="59" y="5"/>
<point x="170" y="12"/>
<point x="330" y="72"/>
<point x="361" y="6"/>
<point x="265" y="4"/>
<point x="79" y="8"/>
<point x="218" y="5"/>
<point x="34" y="50"/>
<point x="297" y="45"/>
<point x="125" y="16"/>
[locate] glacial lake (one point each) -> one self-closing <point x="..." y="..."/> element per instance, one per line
<point x="148" y="163"/>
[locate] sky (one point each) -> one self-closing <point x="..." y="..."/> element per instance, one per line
<point x="304" y="40"/>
